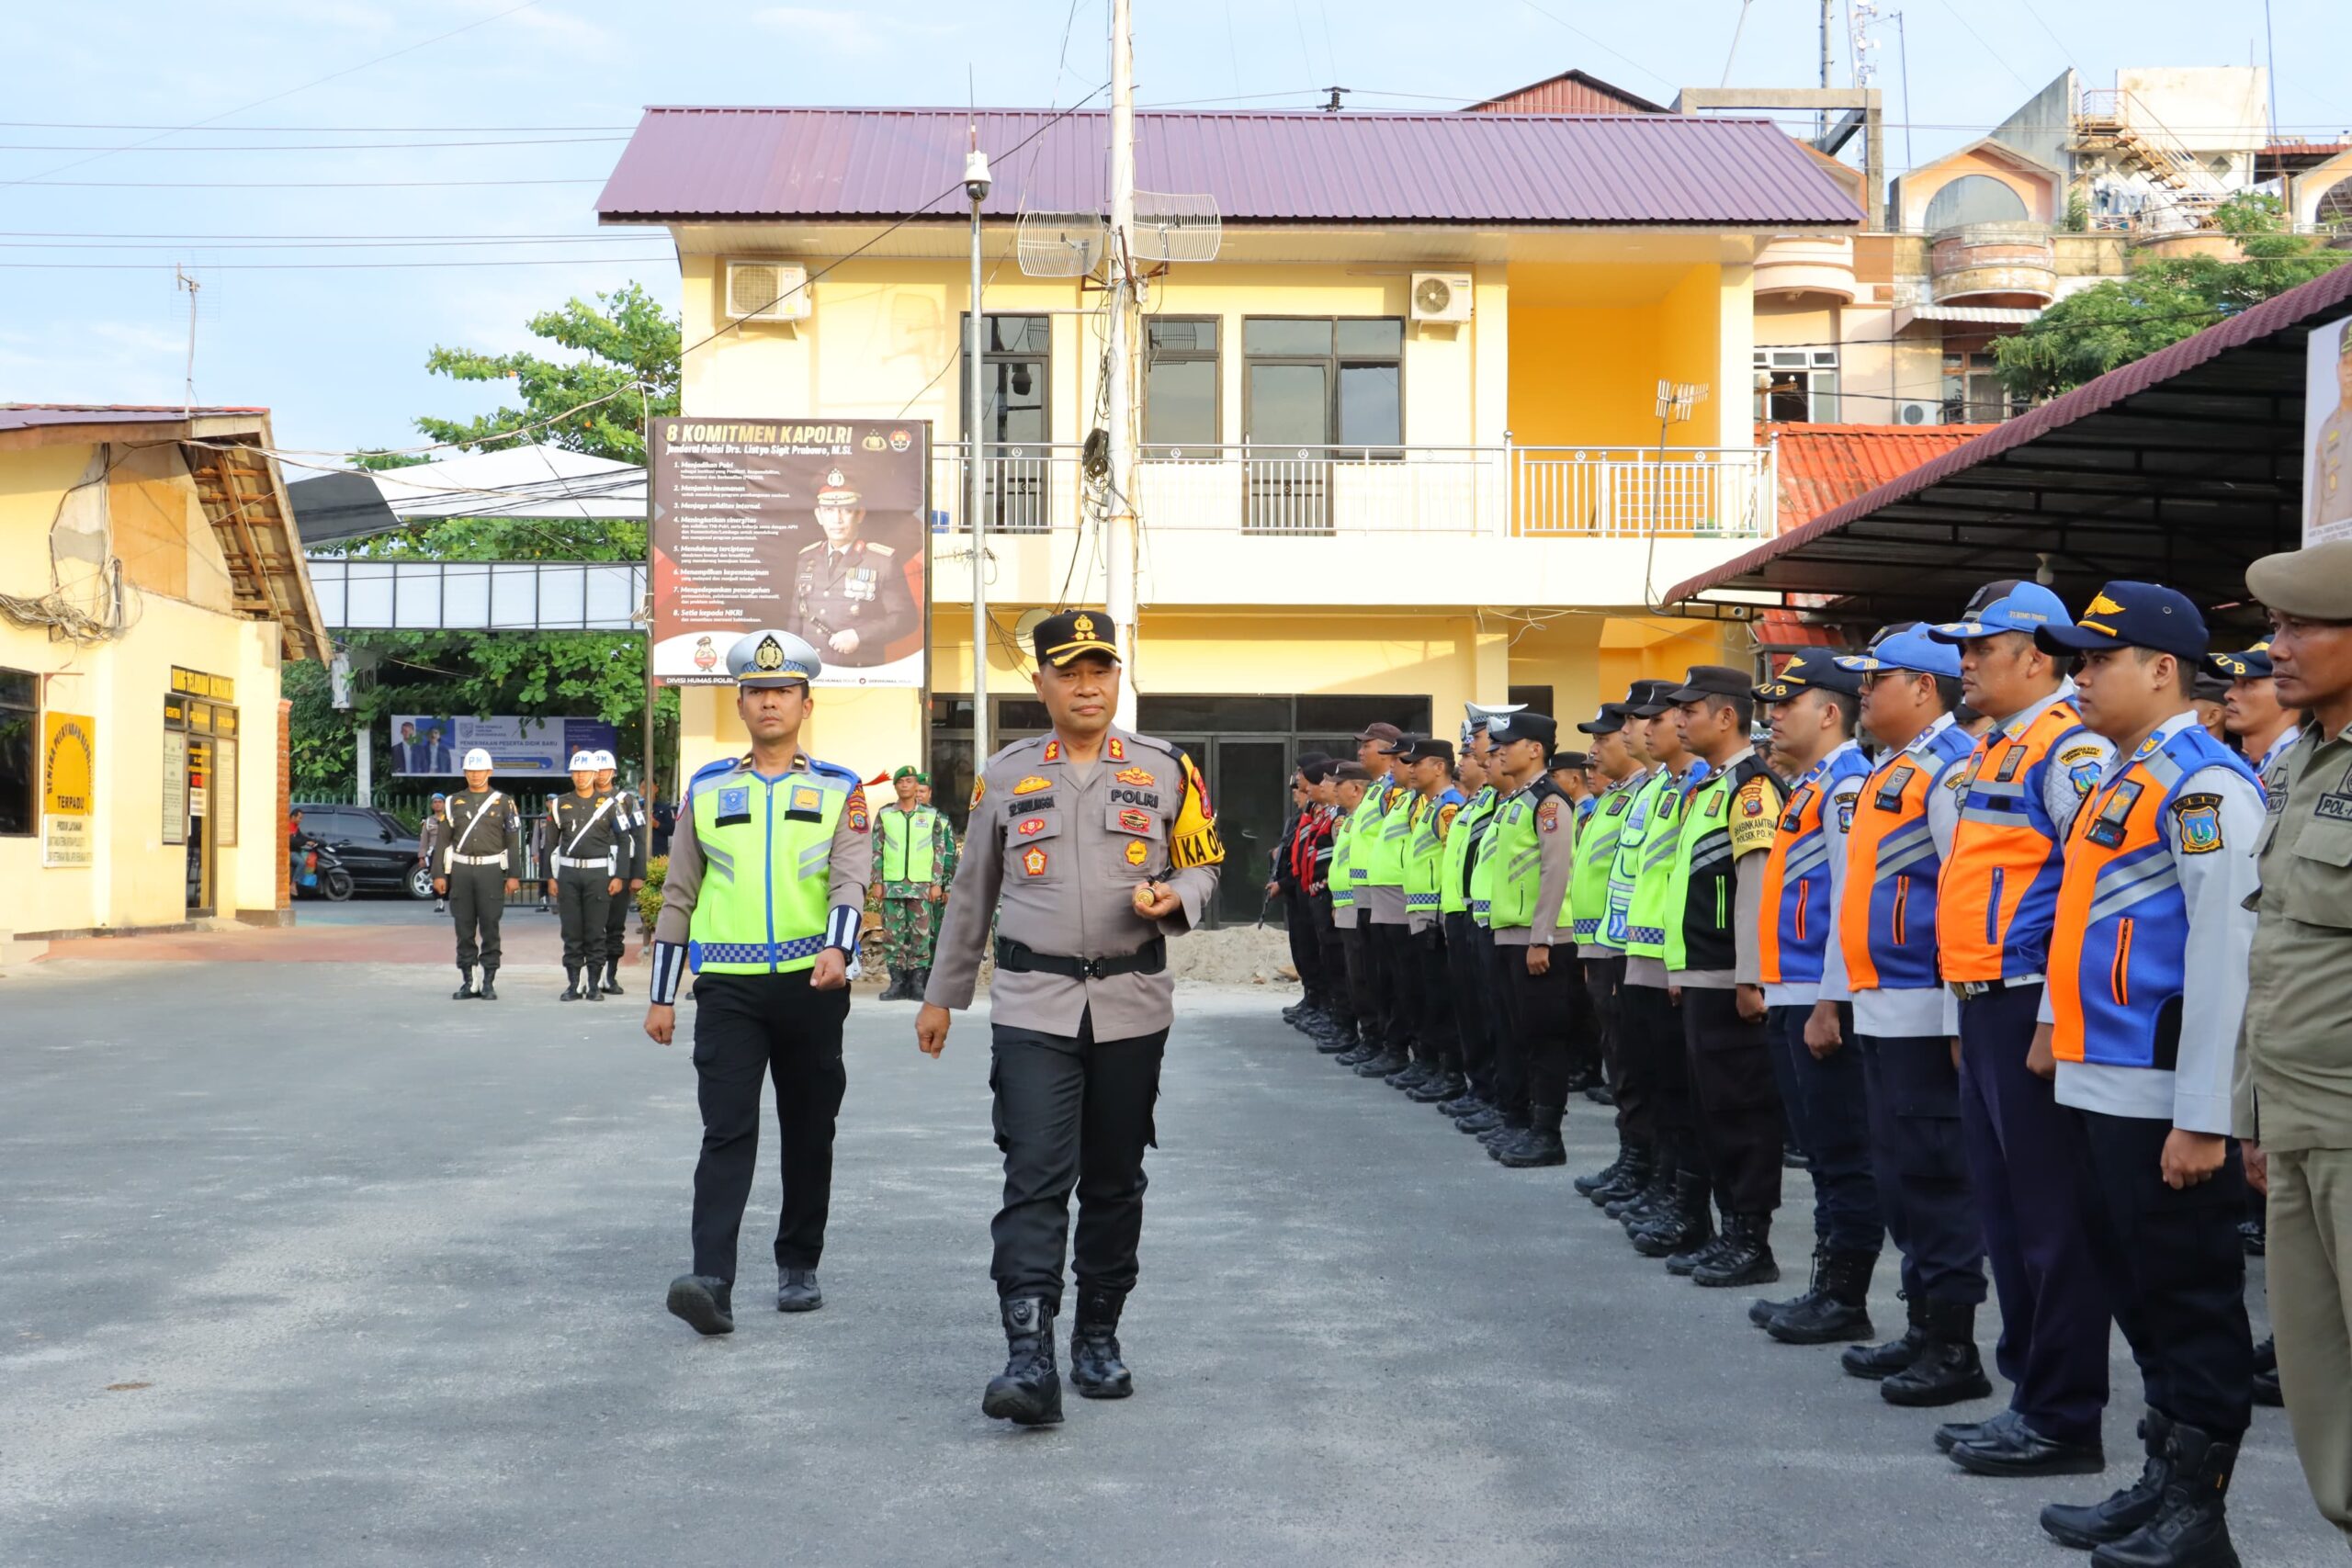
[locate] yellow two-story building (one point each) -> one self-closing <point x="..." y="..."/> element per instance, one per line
<point x="1400" y="435"/>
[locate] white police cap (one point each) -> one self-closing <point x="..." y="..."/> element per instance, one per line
<point x="477" y="760"/>
<point x="773" y="659"/>
<point x="583" y="762"/>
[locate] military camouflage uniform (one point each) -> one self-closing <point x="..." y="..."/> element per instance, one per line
<point x="909" y="921"/>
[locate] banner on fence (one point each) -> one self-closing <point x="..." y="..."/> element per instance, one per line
<point x="433" y="745"/>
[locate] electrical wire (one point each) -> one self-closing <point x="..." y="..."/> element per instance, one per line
<point x="196" y="243"/>
<point x="281" y="184"/>
<point x="207" y="129"/>
<point x="307" y="146"/>
<point x="325" y="267"/>
<point x="1596" y="43"/>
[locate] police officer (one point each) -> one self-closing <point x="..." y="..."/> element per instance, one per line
<point x="1713" y="965"/>
<point x="914" y="860"/>
<point x="585" y="841"/>
<point x="1998" y="895"/>
<point x="769" y="940"/>
<point x="636" y="833"/>
<point x="2139" y="1024"/>
<point x="1381" y="1050"/>
<point x="848" y="594"/>
<point x="1349" y="783"/>
<point x="1533" y="846"/>
<point x="1465" y="962"/>
<point x="2293" y="1092"/>
<point x="432" y="838"/>
<point x="1089" y="848"/>
<point x="1381" y="893"/>
<point x="1492" y="1082"/>
<point x="1905" y="817"/>
<point x="478" y="866"/>
<point x="2265" y="730"/>
<point x="1434" y="814"/>
<point x="1812" y="706"/>
<point x="1312" y="847"/>
<point x="1621" y="769"/>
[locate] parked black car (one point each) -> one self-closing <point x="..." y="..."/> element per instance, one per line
<point x="375" y="846"/>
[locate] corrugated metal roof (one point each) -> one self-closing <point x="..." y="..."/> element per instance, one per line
<point x="1982" y="315"/>
<point x="32" y="416"/>
<point x="816" y="164"/>
<point x="1571" y="92"/>
<point x="1823" y="466"/>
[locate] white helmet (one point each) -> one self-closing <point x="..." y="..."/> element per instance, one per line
<point x="477" y="760"/>
<point x="583" y="762"/>
<point x="604" y="760"/>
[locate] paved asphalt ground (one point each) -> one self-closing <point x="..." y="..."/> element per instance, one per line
<point x="300" y="1263"/>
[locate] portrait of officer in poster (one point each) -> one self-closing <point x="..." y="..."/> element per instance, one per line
<point x="849" y="593"/>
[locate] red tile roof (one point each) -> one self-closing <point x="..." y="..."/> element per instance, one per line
<point x="1822" y="466"/>
<point x="688" y="165"/>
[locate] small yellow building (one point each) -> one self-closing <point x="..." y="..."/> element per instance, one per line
<point x="150" y="586"/>
<point x="1400" y="435"/>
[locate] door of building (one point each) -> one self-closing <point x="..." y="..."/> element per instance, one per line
<point x="1246" y="782"/>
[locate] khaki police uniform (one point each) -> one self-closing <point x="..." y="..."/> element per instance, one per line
<point x="585" y="840"/>
<point x="482" y="851"/>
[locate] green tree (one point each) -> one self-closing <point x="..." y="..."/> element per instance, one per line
<point x="624" y="342"/>
<point x="2086" y="335"/>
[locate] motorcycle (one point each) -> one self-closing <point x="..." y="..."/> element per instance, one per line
<point x="323" y="874"/>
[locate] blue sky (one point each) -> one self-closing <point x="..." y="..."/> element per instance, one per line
<point x="88" y="308"/>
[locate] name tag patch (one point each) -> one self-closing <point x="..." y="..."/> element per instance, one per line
<point x="1149" y="799"/>
<point x="1889" y="794"/>
<point x="807" y="804"/>
<point x="2107" y="831"/>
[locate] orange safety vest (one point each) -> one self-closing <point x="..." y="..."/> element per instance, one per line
<point x="1998" y="894"/>
<point x="1886" y="921"/>
<point x="1793" y="930"/>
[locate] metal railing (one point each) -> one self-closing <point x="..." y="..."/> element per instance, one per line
<point x="1311" y="491"/>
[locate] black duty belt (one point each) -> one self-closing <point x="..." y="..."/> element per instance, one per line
<point x="1019" y="958"/>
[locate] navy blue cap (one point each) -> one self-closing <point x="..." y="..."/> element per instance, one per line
<point x="2005" y="606"/>
<point x="1609" y="721"/>
<point x="2133" y="615"/>
<point x="2252" y="664"/>
<point x="1810" y="669"/>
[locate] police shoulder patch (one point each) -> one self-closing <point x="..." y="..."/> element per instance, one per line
<point x="855" y="811"/>
<point x="1548" y="816"/>
<point x="2198" y="823"/>
<point x="980" y="792"/>
<point x="1845" y="812"/>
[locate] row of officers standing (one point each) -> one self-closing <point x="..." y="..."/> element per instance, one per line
<point x="2044" y="978"/>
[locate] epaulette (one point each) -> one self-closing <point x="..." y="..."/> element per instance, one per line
<point x="1005" y="752"/>
<point x="877" y="549"/>
<point x="818" y="546"/>
<point x="849" y="778"/>
<point x="712" y="770"/>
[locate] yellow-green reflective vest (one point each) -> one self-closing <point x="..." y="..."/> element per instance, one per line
<point x="1361" y="830"/>
<point x="908" y="842"/>
<point x="1516" y="859"/>
<point x="1596" y="852"/>
<point x="1340" y="880"/>
<point x="1425" y="847"/>
<point x="1454" y="861"/>
<point x="1645" y="865"/>
<point x="1383" y="854"/>
<point x="767" y="850"/>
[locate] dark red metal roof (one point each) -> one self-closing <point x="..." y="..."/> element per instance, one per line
<point x="2184" y="466"/>
<point x="29" y="416"/>
<point x="717" y="164"/>
<point x="1570" y="92"/>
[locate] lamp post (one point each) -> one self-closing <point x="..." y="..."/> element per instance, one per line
<point x="976" y="185"/>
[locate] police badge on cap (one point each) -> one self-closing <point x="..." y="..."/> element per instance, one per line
<point x="773" y="659"/>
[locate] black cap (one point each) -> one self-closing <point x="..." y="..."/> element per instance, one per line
<point x="1508" y="728"/>
<point x="1424" y="750"/>
<point x="1319" y="769"/>
<point x="1710" y="680"/>
<point x="1568" y="759"/>
<point x="1379" y="731"/>
<point x="1811" y="669"/>
<point x="2208" y="688"/>
<point x="1648" y="699"/>
<point x="1350" y="773"/>
<point x="2133" y="615"/>
<point x="1073" y="634"/>
<point x="2253" y="663"/>
<point x="1306" y="758"/>
<point x="1402" y="746"/>
<point x="1607" y="721"/>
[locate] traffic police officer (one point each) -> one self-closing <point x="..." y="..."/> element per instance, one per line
<point x="479" y="864"/>
<point x="914" y="860"/>
<point x="1466" y="960"/>
<point x="1433" y="814"/>
<point x="1534" y="854"/>
<point x="636" y="830"/>
<point x="1380" y="897"/>
<point x="849" y="594"/>
<point x="769" y="939"/>
<point x="1812" y="706"/>
<point x="2294" y="1083"/>
<point x="2140" y="1022"/>
<point x="586" y="845"/>
<point x="1088" y="847"/>
<point x="1903" y="1017"/>
<point x="1349" y="783"/>
<point x="1713" y="958"/>
<point x="1998" y="897"/>
<point x="1375" y="1001"/>
<point x="1622" y="768"/>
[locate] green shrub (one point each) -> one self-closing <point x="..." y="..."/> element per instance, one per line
<point x="648" y="898"/>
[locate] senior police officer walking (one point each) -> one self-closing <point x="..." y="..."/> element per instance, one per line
<point x="480" y="860"/>
<point x="1089" y="848"/>
<point x="585" y="840"/>
<point x="636" y="829"/>
<point x="769" y="939"/>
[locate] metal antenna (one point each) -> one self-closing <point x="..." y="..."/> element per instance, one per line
<point x="1335" y="106"/>
<point x="180" y="279"/>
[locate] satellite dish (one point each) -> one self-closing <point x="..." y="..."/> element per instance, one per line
<point x="1059" y="244"/>
<point x="1027" y="624"/>
<point x="1176" y="228"/>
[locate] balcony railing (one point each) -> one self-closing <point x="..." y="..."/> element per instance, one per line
<point x="1615" y="492"/>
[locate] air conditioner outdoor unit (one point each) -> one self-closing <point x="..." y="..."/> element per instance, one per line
<point x="1920" y="414"/>
<point x="766" y="291"/>
<point x="1441" y="297"/>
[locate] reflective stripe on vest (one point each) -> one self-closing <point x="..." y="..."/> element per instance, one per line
<point x="1382" y="855"/>
<point x="1887" y="919"/>
<point x="1341" y="882"/>
<point x="908" y="842"/>
<point x="1363" y="827"/>
<point x="1454" y="861"/>
<point x="1589" y="882"/>
<point x="1999" y="890"/>
<point x="1424" y="847"/>
<point x="1701" y="893"/>
<point x="2118" y="952"/>
<point x="1794" y="933"/>
<point x="1518" y="863"/>
<point x="768" y="853"/>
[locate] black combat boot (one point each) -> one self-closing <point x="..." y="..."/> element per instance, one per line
<point x="465" y="991"/>
<point x="1390" y="1060"/>
<point x="1462" y="1104"/>
<point x="612" y="977"/>
<point x="1630" y="1180"/>
<point x="1479" y="1120"/>
<point x="1651" y="1198"/>
<point x="1028" y="1392"/>
<point x="1947" y="1368"/>
<point x="1540" y="1146"/>
<point x="2086" y="1525"/>
<point x="592" y="991"/>
<point x="1687" y="1262"/>
<point x="1761" y="1312"/>
<point x="1339" y="1041"/>
<point x="1094" y="1364"/>
<point x="2192" y="1529"/>
<point x="1593" y="1181"/>
<point x="1876" y="1362"/>
<point x="922" y="984"/>
<point x="703" y="1302"/>
<point x="797" y="1290"/>
<point x="1411" y="1076"/>
<point x="571" y="983"/>
<point x="489" y="991"/>
<point x="1365" y="1048"/>
<point x="1840" y="1312"/>
<point x="1684" y="1221"/>
<point x="1444" y="1083"/>
<point x="896" y="990"/>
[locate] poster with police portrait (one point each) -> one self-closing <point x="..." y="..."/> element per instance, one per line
<point x="816" y="526"/>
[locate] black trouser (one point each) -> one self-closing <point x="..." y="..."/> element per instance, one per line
<point x="1469" y="979"/>
<point x="1356" y="955"/>
<point x="617" y="924"/>
<point x="583" y="902"/>
<point x="1306" y="957"/>
<point x="2173" y="1267"/>
<point x="1583" y="1023"/>
<point x="1921" y="1166"/>
<point x="1546" y="1007"/>
<point x="778" y="1026"/>
<point x="1377" y="1001"/>
<point x="1738" y="1105"/>
<point x="1831" y="1114"/>
<point x="1511" y="1032"/>
<point x="1650" y="1031"/>
<point x="1071" y="1111"/>
<point x="1630" y="1078"/>
<point x="476" y="901"/>
<point x="1441" y="1030"/>
<point x="1397" y="981"/>
<point x="1331" y="954"/>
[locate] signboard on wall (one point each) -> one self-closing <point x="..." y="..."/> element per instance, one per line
<point x="69" y="754"/>
<point x="2327" y="434"/>
<point x="817" y="527"/>
<point x="224" y="790"/>
<point x="429" y="745"/>
<point x="175" y="786"/>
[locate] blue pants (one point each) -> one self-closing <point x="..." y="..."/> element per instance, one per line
<point x="1830" y="1110"/>
<point x="1918" y="1150"/>
<point x="2023" y="1164"/>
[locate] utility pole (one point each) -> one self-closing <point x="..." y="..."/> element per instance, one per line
<point x="1119" y="534"/>
<point x="1828" y="20"/>
<point x="976" y="185"/>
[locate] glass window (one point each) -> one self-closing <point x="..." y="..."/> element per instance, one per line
<point x="1539" y="700"/>
<point x="1973" y="389"/>
<point x="1158" y="714"/>
<point x="1793" y="387"/>
<point x="1349" y="714"/>
<point x="19" y="753"/>
<point x="1180" y="383"/>
<point x="1280" y="336"/>
<point x="1371" y="405"/>
<point x="1323" y="383"/>
<point x="1975" y="198"/>
<point x="1014" y="375"/>
<point x="1381" y="336"/>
